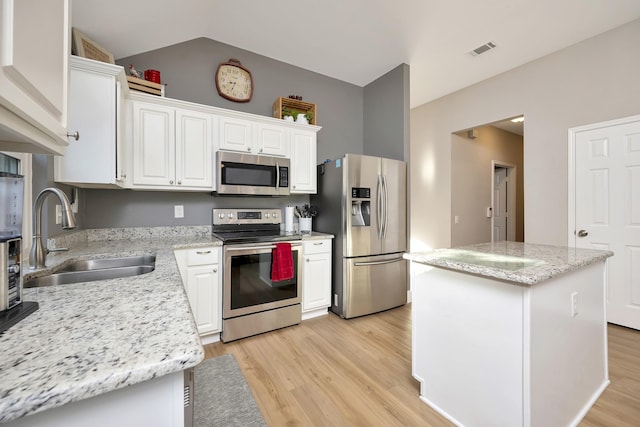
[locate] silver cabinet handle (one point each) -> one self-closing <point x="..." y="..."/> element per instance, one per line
<point x="318" y="244"/>
<point x="215" y="270"/>
<point x="179" y="182"/>
<point x="75" y="135"/>
<point x="171" y="181"/>
<point x="248" y="148"/>
<point x="203" y="252"/>
<point x="583" y="233"/>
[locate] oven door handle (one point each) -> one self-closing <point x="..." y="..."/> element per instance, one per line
<point x="250" y="248"/>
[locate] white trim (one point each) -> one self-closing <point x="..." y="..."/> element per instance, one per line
<point x="571" y="169"/>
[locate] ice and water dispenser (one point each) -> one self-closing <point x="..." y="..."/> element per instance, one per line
<point x="360" y="206"/>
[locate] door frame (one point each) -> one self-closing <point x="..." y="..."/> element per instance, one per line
<point x="511" y="195"/>
<point x="571" y="170"/>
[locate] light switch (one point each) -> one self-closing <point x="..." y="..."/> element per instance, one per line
<point x="178" y="211"/>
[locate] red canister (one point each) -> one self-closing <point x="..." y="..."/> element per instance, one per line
<point x="152" y="76"/>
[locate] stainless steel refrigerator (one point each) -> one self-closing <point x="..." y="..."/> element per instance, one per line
<point x="362" y="200"/>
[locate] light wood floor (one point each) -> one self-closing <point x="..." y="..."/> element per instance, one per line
<point x="333" y="372"/>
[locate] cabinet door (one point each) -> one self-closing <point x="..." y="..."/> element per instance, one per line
<point x="194" y="153"/>
<point x="34" y="61"/>
<point x="153" y="145"/>
<point x="303" y="162"/>
<point x="94" y="108"/>
<point x="236" y="135"/>
<point x="316" y="285"/>
<point x="272" y="140"/>
<point x="204" y="297"/>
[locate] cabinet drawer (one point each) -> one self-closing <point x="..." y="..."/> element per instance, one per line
<point x="202" y="256"/>
<point x="317" y="246"/>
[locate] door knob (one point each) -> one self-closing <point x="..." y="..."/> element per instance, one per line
<point x="583" y="233"/>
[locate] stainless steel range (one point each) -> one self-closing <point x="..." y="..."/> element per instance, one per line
<point x="253" y="303"/>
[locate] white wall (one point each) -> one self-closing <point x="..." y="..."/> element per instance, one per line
<point x="593" y="81"/>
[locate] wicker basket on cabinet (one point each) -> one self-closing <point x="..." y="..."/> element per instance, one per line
<point x="293" y="104"/>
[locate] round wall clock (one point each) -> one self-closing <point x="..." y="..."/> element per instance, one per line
<point x="234" y="82"/>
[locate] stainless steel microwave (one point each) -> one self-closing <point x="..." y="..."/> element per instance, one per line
<point x="248" y="174"/>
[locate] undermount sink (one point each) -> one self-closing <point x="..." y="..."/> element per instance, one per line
<point x="96" y="269"/>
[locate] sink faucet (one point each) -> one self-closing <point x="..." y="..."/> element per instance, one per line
<point x="37" y="255"/>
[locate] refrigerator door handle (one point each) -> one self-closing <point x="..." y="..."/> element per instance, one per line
<point x="379" y="207"/>
<point x="385" y="195"/>
<point x="388" y="261"/>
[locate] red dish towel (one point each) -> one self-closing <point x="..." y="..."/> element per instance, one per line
<point x="282" y="262"/>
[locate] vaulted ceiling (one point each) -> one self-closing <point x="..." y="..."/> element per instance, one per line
<point x="357" y="41"/>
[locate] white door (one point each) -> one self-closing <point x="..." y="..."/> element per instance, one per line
<point x="153" y="144"/>
<point x="606" y="206"/>
<point x="303" y="177"/>
<point x="500" y="204"/>
<point x="202" y="290"/>
<point x="194" y="152"/>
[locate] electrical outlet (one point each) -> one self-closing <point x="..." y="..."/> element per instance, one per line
<point x="574" y="304"/>
<point x="178" y="211"/>
<point x="456" y="219"/>
<point x="58" y="214"/>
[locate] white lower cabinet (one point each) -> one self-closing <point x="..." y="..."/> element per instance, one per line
<point x="316" y="276"/>
<point x="202" y="278"/>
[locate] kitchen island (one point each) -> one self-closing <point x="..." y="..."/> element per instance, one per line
<point x="96" y="345"/>
<point x="509" y="333"/>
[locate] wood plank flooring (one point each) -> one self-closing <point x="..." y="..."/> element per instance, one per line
<point x="333" y="372"/>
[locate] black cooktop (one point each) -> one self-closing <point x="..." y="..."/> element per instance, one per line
<point x="254" y="236"/>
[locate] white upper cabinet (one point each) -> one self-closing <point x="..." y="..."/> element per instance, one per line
<point x="194" y="149"/>
<point x="272" y="140"/>
<point x="236" y="135"/>
<point x="153" y="157"/>
<point x="303" y="161"/>
<point x="34" y="61"/>
<point x="171" y="147"/>
<point x="95" y="111"/>
<point x="248" y="136"/>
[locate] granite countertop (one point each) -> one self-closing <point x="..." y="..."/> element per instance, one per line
<point x="90" y="338"/>
<point x="524" y="263"/>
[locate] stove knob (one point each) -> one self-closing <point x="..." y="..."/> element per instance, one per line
<point x="221" y="215"/>
<point x="267" y="216"/>
<point x="230" y="215"/>
<point x="275" y="214"/>
<point x="14" y="269"/>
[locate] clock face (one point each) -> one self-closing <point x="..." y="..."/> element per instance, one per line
<point x="234" y="82"/>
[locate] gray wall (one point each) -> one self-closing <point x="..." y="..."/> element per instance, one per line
<point x="386" y="115"/>
<point x="188" y="70"/>
<point x="593" y="81"/>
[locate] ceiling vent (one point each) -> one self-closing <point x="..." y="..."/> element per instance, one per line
<point x="482" y="49"/>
